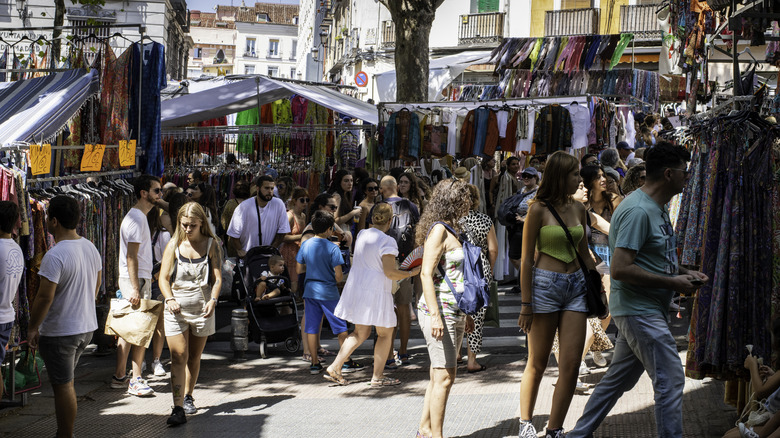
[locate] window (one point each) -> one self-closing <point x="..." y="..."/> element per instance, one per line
<point x="273" y="48"/>
<point x="249" y="69"/>
<point x="294" y="51"/>
<point x="292" y="73"/>
<point x="295" y="20"/>
<point x="198" y="53"/>
<point x="250" y="47"/>
<point x="273" y="71"/>
<point x="262" y="18"/>
<point x="482" y="6"/>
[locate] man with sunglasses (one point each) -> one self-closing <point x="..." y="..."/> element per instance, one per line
<point x="135" y="277"/>
<point x="645" y="275"/>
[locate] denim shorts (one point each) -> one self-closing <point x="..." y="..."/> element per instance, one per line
<point x="556" y="292"/>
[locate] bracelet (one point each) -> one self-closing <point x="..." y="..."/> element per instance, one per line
<point x="168" y="299"/>
<point x="523" y="303"/>
<point x="214" y="299"/>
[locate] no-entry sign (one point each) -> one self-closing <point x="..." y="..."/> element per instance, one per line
<point x="361" y="79"/>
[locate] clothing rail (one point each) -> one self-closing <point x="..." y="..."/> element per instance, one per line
<point x="514" y="101"/>
<point x="54" y="148"/>
<point x="260" y="128"/>
<point x="79" y="176"/>
<point x="730" y="104"/>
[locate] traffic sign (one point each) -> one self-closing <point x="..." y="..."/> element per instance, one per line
<point x="361" y="79"/>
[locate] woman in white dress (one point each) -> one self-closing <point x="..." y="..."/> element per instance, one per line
<point x="367" y="299"/>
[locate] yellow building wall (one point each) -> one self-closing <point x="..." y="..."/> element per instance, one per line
<point x="538" y="10"/>
<point x="607" y="26"/>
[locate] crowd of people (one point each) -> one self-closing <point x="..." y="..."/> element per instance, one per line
<point x="608" y="208"/>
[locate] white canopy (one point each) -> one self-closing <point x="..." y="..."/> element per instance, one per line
<point x="249" y="93"/>
<point x="441" y="71"/>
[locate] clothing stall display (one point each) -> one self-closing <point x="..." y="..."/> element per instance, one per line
<point x="567" y="53"/>
<point x="402" y="136"/>
<point x="553" y="129"/>
<point x="728" y="227"/>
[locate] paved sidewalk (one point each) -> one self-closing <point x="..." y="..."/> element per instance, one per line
<point x="277" y="397"/>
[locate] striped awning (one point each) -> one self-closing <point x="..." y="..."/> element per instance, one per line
<point x="35" y="110"/>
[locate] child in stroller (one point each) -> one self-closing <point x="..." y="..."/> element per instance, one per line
<point x="272" y="283"/>
<point x="272" y="312"/>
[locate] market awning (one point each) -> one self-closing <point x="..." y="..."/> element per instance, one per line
<point x="36" y="109"/>
<point x="248" y="93"/>
<point x="441" y="71"/>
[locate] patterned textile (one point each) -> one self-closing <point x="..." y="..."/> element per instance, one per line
<point x="452" y="264"/>
<point x="115" y="96"/>
<point x="149" y="70"/>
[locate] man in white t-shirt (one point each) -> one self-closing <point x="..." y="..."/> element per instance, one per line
<point x="135" y="276"/>
<point x="62" y="318"/>
<point x="244" y="231"/>
<point x="11" y="269"/>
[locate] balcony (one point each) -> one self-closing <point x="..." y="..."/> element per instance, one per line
<point x="481" y="28"/>
<point x="388" y="34"/>
<point x="572" y="22"/>
<point x="642" y="21"/>
<point x="250" y="54"/>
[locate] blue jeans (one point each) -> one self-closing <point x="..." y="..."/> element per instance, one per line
<point x="644" y="344"/>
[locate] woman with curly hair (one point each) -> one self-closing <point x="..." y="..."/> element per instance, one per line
<point x="553" y="290"/>
<point x="441" y="321"/>
<point x="635" y="178"/>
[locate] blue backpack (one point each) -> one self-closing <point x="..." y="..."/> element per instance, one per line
<point x="476" y="291"/>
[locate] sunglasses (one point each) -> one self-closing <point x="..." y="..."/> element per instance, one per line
<point x="157" y="190"/>
<point x="333" y="207"/>
<point x="594" y="163"/>
<point x="304" y="200"/>
<point x="526" y="176"/>
<point x="372" y="189"/>
<point x="189" y="194"/>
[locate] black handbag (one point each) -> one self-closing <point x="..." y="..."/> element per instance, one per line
<point x="593" y="286"/>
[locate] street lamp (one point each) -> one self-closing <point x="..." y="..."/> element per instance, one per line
<point x="21" y="8"/>
<point x="314" y="52"/>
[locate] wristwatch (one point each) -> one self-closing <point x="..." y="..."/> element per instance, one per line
<point x="214" y="299"/>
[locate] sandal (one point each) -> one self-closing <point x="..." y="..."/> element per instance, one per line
<point x="384" y="381"/>
<point x="324" y="352"/>
<point x="307" y="358"/>
<point x="404" y="358"/>
<point x="335" y="378"/>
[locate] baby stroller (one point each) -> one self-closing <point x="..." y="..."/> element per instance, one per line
<point x="266" y="324"/>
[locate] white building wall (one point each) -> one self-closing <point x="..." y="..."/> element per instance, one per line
<point x="307" y="29"/>
<point x="263" y="34"/>
<point x="518" y="18"/>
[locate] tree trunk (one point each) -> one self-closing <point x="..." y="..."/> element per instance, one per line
<point x="413" y="20"/>
<point x="59" y="20"/>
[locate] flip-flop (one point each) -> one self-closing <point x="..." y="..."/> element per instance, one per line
<point x="481" y="368"/>
<point x="339" y="380"/>
<point x="384" y="381"/>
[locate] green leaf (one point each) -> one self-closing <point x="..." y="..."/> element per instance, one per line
<point x="41" y="54"/>
<point x="43" y="14"/>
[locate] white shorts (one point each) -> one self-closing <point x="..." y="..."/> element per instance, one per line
<point x="191" y="316"/>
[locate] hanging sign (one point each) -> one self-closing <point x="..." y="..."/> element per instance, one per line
<point x="92" y="160"/>
<point x="361" y="79"/>
<point x="126" y="153"/>
<point x="40" y="159"/>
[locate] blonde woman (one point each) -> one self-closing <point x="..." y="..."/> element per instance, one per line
<point x="191" y="280"/>
<point x="367" y="299"/>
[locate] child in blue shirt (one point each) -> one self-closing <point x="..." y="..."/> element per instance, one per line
<point x="321" y="260"/>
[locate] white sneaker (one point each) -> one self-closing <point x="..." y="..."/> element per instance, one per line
<point x="746" y="432"/>
<point x="527" y="430"/>
<point x="598" y="359"/>
<point x="584" y="368"/>
<point x="158" y="368"/>
<point x="138" y="387"/>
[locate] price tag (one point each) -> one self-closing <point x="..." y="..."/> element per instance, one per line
<point x="92" y="160"/>
<point x="126" y="153"/>
<point x="40" y="159"/>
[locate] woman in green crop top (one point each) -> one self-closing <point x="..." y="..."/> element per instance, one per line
<point x="553" y="290"/>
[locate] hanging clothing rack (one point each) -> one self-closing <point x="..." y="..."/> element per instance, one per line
<point x="190" y="132"/>
<point x="80" y="176"/>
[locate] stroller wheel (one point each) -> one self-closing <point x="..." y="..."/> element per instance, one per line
<point x="292" y="344"/>
<point x="263" y="346"/>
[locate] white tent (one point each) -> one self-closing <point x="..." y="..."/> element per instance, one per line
<point x="441" y="71"/>
<point x="249" y="93"/>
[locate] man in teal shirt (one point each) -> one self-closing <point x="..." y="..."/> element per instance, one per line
<point x="645" y="275"/>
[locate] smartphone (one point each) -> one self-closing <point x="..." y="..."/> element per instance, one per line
<point x="697" y="282"/>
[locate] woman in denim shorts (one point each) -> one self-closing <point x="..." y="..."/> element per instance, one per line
<point x="553" y="290"/>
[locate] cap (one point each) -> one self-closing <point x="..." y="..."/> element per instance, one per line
<point x="531" y="171"/>
<point x="462" y="173"/>
<point x="624" y="145"/>
<point x="612" y="172"/>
